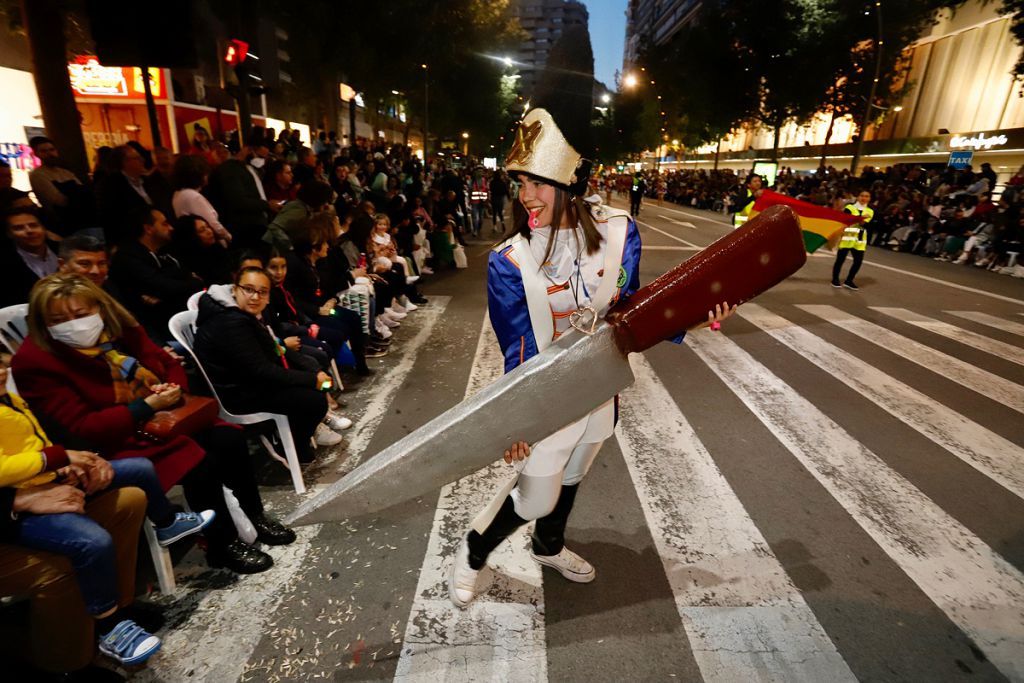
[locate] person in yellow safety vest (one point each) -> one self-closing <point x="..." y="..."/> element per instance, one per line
<point x="744" y="200"/>
<point x="854" y="241"/>
<point x="479" y="194"/>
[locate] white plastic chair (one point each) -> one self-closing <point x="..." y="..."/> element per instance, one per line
<point x="182" y="328"/>
<point x="193" y="301"/>
<point x="13" y="330"/>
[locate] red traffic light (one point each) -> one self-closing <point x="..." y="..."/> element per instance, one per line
<point x="236" y="53"/>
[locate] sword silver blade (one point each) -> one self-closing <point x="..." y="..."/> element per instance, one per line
<point x="564" y="383"/>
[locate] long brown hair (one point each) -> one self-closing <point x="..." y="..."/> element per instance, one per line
<point x="63" y="286"/>
<point x="567" y="206"/>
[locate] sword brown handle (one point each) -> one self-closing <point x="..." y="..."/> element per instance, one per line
<point x="736" y="268"/>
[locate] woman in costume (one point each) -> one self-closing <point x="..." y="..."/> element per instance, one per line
<point x="564" y="262"/>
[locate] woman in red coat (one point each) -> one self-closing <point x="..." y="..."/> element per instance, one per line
<point x="89" y="369"/>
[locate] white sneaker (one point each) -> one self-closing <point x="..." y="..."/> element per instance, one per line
<point x="398" y="308"/>
<point x="388" y="320"/>
<point x="394" y="314"/>
<point x="568" y="564"/>
<point x="382" y="329"/>
<point x="408" y="305"/>
<point x="337" y="422"/>
<point x="412" y="279"/>
<point x="961" y="260"/>
<point x="462" y="580"/>
<point x="325" y="436"/>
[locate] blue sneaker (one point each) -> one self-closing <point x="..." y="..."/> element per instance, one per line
<point x="184" y="524"/>
<point x="128" y="643"/>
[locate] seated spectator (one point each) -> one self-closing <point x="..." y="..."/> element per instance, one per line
<point x="31" y="463"/>
<point x="160" y="181"/>
<point x="86" y="256"/>
<point x="67" y="204"/>
<point x="196" y="247"/>
<point x="246" y="364"/>
<point x="305" y="167"/>
<point x="279" y="184"/>
<point x="89" y="369"/>
<point x="190" y="174"/>
<point x="57" y="611"/>
<point x="26" y="257"/>
<point x="382" y="246"/>
<point x="313" y="197"/>
<point x="320" y="305"/>
<point x="153" y="284"/>
<point x="123" y="194"/>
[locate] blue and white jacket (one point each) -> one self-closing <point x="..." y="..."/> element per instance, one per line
<point x="515" y="286"/>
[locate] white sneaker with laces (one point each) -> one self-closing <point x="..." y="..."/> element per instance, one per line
<point x="394" y="314"/>
<point x="382" y="329"/>
<point x="388" y="320"/>
<point x="337" y="422"/>
<point x="568" y="564"/>
<point x="408" y="305"/>
<point x="398" y="308"/>
<point x="462" y="580"/>
<point x="325" y="436"/>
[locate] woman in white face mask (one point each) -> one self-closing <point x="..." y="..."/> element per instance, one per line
<point x="89" y="367"/>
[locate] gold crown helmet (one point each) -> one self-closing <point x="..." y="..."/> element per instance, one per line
<point x="541" y="150"/>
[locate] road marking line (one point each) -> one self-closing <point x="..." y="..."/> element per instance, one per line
<point x="385" y="389"/>
<point x="744" y="618"/>
<point x="668" y="234"/>
<point x="685" y="213"/>
<point x="501" y="635"/>
<point x="992" y="455"/>
<point x="986" y="383"/>
<point x="992" y="321"/>
<point x="1011" y="353"/>
<point x="682" y="223"/>
<point x="977" y="589"/>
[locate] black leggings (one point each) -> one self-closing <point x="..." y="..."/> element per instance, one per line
<point x="858" y="257"/>
<point x="304" y="407"/>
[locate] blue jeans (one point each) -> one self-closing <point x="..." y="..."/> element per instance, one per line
<point x="86" y="544"/>
<point x="478" y="216"/>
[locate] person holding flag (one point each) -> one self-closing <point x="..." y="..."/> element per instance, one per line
<point x="854" y="241"/>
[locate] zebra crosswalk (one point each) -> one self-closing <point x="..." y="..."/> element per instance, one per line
<point x="790" y="374"/>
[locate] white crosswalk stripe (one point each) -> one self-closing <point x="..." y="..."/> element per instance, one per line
<point x="986" y="383"/>
<point x="972" y="339"/>
<point x="986" y="451"/>
<point x="742" y="614"/>
<point x="976" y="588"/>
<point x="500" y="636"/>
<point x="1003" y="324"/>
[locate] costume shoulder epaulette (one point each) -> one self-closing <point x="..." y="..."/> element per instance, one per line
<point x="505" y="244"/>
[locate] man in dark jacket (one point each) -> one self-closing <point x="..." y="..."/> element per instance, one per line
<point x="153" y="284"/>
<point x="122" y="195"/>
<point x="235" y="191"/>
<point x="26" y="256"/>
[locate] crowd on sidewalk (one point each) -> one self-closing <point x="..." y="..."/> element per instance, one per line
<point x="943" y="213"/>
<point x="297" y="264"/>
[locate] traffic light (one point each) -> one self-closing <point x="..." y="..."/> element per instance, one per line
<point x="236" y="52"/>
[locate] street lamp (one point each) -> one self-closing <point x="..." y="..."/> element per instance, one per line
<point x="629" y="81"/>
<point x="606" y="98"/>
<point x="507" y="61"/>
<point x="426" y="112"/>
<point x="465" y="143"/>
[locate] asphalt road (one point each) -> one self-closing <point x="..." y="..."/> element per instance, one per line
<point x="829" y="489"/>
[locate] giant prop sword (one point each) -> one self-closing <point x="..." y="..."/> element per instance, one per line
<point x="589" y="368"/>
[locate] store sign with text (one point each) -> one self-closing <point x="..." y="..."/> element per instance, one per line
<point x="89" y="78"/>
<point x="978" y="141"/>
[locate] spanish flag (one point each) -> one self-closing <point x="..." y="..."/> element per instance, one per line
<point x="820" y="225"/>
